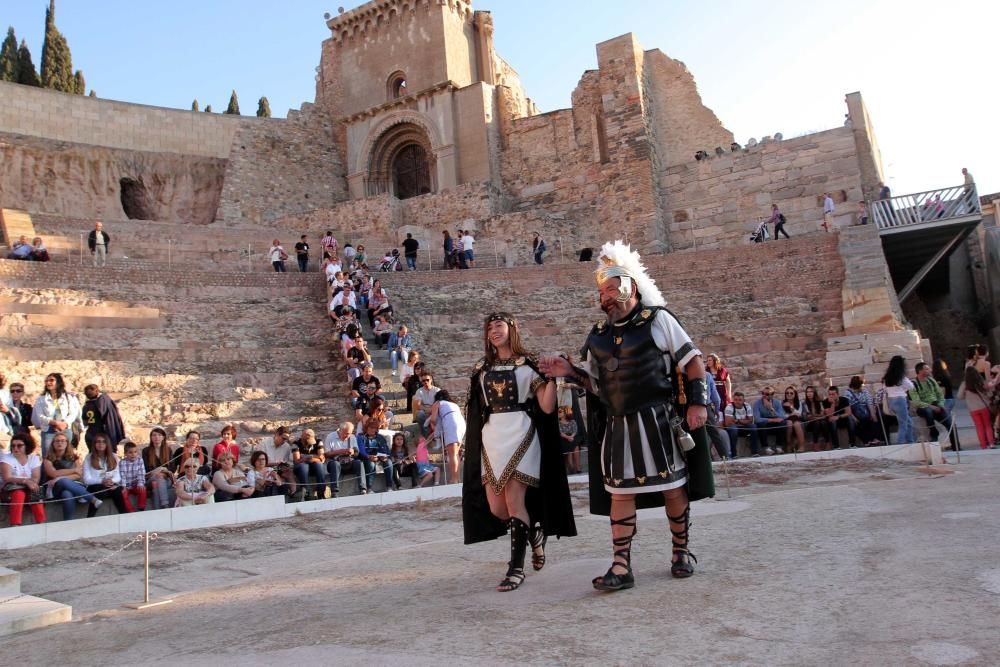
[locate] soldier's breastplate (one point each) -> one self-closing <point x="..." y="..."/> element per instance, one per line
<point x="633" y="376"/>
<point x="501" y="390"/>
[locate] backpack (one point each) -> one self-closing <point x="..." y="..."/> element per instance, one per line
<point x="781" y="219"/>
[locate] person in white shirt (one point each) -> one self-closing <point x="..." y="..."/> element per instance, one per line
<point x="897" y="387"/>
<point x="278" y="448"/>
<point x="55" y="410"/>
<point x="277" y="255"/>
<point x="422" y="402"/>
<point x="827" y="212"/>
<point x="343" y="298"/>
<point x="20" y="477"/>
<point x="102" y="477"/>
<point x="468" y="242"/>
<point x="341" y="449"/>
<point x="738" y="421"/>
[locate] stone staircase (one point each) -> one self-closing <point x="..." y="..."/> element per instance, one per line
<point x="20" y="612"/>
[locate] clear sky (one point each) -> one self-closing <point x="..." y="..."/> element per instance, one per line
<point x="927" y="70"/>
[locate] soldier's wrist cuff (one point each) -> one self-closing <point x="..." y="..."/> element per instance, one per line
<point x="697" y="392"/>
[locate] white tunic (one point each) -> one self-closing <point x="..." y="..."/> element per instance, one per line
<point x="510" y="443"/>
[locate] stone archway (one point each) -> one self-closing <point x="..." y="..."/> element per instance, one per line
<point x="401" y="162"/>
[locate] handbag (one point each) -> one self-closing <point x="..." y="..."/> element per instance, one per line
<point x="886" y="410"/>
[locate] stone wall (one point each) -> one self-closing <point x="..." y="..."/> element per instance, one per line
<point x="279" y="167"/>
<point x="716" y="201"/>
<point x="45" y="175"/>
<point x="39" y="112"/>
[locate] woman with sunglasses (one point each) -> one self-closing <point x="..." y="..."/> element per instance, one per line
<point x="21" y="473"/>
<point x="514" y="474"/>
<point x="794" y="435"/>
<point x="193" y="488"/>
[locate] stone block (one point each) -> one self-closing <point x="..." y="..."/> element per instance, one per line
<point x="17" y="537"/>
<point x="151" y="520"/>
<point x="66" y="531"/>
<point x="259" y="509"/>
<point x="203" y="516"/>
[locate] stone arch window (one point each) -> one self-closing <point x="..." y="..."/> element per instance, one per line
<point x="396" y="85"/>
<point x="402" y="163"/>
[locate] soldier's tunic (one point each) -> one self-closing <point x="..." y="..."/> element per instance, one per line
<point x="632" y="364"/>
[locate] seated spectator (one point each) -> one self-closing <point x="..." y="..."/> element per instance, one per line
<point x="376" y="298"/>
<point x="864" y="418"/>
<point x="356" y="356"/>
<point x="192" y="487"/>
<point x="309" y="458"/>
<point x="382" y="332"/>
<point x="738" y="420"/>
<point x="63" y="472"/>
<point x="428" y="471"/>
<point x="770" y="421"/>
<point x="341" y="451"/>
<point x="448" y="425"/>
<point x="19" y="403"/>
<point x="21" y="250"/>
<point x="102" y="477"/>
<point x="813" y="418"/>
<point x="229" y="481"/>
<point x="360" y="256"/>
<point x="928" y="399"/>
<point x="570" y="448"/>
<point x="399" y="346"/>
<point x="413" y="382"/>
<point x="362" y="287"/>
<point x="363" y="388"/>
<point x="423" y="399"/>
<point x="227" y="443"/>
<point x="156" y="458"/>
<point x="407" y="370"/>
<point x="344" y="298"/>
<point x="331" y="269"/>
<point x="795" y="434"/>
<point x="21" y="474"/>
<point x="718" y="436"/>
<point x="38" y="251"/>
<point x="373" y="451"/>
<point x="133" y="474"/>
<point x="837" y="410"/>
<point x="277" y="448"/>
<point x="263" y="478"/>
<point x="192" y="448"/>
<point x="402" y="462"/>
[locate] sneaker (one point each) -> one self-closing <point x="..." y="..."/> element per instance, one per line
<point x="97" y="502"/>
<point x="779" y="450"/>
<point x="768" y="451"/>
<point x="394" y="372"/>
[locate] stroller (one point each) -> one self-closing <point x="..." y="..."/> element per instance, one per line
<point x="760" y="234"/>
<point x="391" y="262"/>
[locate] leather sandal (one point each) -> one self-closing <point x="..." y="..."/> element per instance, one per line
<point x="681" y="566"/>
<point x="611" y="580"/>
<point x="538" y="540"/>
<point x="512" y="580"/>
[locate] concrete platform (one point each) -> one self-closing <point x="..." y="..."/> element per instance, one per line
<point x="19" y="612"/>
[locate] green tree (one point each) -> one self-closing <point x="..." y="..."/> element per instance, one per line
<point x="79" y="83"/>
<point x="194" y="105"/>
<point x="208" y="109"/>
<point x="263" y="108"/>
<point x="57" y="63"/>
<point x="8" y="57"/>
<point x="234" y="105"/>
<point x="92" y="93"/>
<point x="26" y="72"/>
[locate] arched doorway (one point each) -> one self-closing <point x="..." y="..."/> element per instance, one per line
<point x="411" y="174"/>
<point x="401" y="163"/>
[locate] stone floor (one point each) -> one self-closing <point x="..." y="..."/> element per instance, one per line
<point x="878" y="563"/>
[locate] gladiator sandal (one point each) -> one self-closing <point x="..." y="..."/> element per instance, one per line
<point x="611" y="581"/>
<point x="538" y="540"/>
<point x="681" y="566"/>
<point x="515" y="567"/>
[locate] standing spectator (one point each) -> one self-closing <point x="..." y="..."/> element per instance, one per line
<point x="928" y="399"/>
<point x="897" y="388"/>
<point x="191" y="449"/>
<point x="884" y="196"/>
<point x="863" y="414"/>
<point x="193" y="487"/>
<point x="102" y="476"/>
<point x="55" y="410"/>
<point x="969" y="190"/>
<point x="795" y="436"/>
<point x="63" y="472"/>
<point x="718" y="436"/>
<point x="978" y="395"/>
<point x="943" y="377"/>
<point x="724" y="383"/>
<point x="862" y="213"/>
<point x="349" y="254"/>
<point x="156" y="459"/>
<point x="277" y="255"/>
<point x="20" y="480"/>
<point x="770" y="420"/>
<point x="22" y="405"/>
<point x="423" y="399"/>
<point x="329" y="245"/>
<point x="226" y="443"/>
<point x="827" y="211"/>
<point x="738" y="420"/>
<point x="38" y="251"/>
<point x="778" y="220"/>
<point x="838" y="415"/>
<point x="133" y="473"/>
<point x="812" y="417"/>
<point x="10" y="415"/>
<point x="100" y="415"/>
<point x="21" y="250"/>
<point x="410" y="248"/>
<point x="448" y="424"/>
<point x="399" y="347"/>
<point x="229" y="481"/>
<point x="449" y="249"/>
<point x="373" y="450"/>
<point x="309" y="458"/>
<point x="302" y="254"/>
<point x="883" y="191"/>
<point x="341" y="451"/>
<point x="459" y="261"/>
<point x="568" y="433"/>
<point x="278" y="448"/>
<point x="99" y="241"/>
<point x="468" y="247"/>
<point x="538" y="248"/>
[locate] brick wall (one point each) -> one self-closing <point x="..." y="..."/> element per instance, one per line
<point x="46" y="113"/>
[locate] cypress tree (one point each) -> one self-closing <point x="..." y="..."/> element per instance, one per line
<point x="92" y="93"/>
<point x="194" y="105"/>
<point x="26" y="72"/>
<point x="234" y="105"/>
<point x="208" y="109"/>
<point x="57" y="63"/>
<point x="8" y="57"/>
<point x="79" y="83"/>
<point x="263" y="108"/>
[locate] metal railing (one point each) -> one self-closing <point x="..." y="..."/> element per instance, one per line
<point x="925" y="207"/>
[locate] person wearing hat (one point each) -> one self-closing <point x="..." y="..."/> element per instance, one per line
<point x="308" y="458"/>
<point x="641" y="370"/>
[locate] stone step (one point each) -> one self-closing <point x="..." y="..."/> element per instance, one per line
<point x="10" y="583"/>
<point x="19" y="612"/>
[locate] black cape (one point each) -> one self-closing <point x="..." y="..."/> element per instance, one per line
<point x="700" y="481"/>
<point x="549" y="504"/>
<point x="100" y="415"/>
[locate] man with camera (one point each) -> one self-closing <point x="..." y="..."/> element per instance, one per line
<point x="341" y="447"/>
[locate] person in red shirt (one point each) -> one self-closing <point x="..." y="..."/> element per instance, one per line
<point x="226" y="444"/>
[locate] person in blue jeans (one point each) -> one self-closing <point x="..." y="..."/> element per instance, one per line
<point x="61" y="468"/>
<point x="372" y="449"/>
<point x="738" y="420"/>
<point x="769" y="418"/>
<point x="341" y="449"/>
<point x="309" y="458"/>
<point x="399" y="347"/>
<point x="897" y="386"/>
